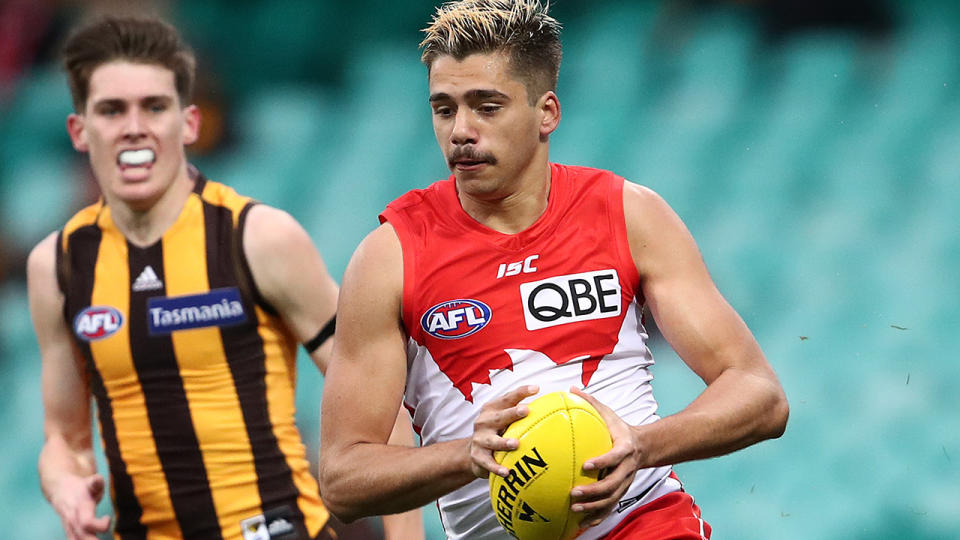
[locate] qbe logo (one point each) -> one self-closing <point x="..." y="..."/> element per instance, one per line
<point x="456" y="318"/>
<point x="571" y="298"/>
<point x="97" y="322"/>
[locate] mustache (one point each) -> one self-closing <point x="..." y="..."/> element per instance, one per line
<point x="469" y="153"/>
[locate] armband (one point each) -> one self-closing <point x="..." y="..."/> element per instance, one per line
<point x="322" y="336"/>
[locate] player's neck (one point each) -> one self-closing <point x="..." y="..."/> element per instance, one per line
<point x="525" y="200"/>
<point x="145" y="226"/>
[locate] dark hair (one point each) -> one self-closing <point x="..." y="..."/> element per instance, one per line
<point x="520" y="28"/>
<point x="146" y="41"/>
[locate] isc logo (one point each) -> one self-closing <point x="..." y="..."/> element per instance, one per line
<point x="511" y="269"/>
<point x="571" y="298"/>
<point x="455" y="318"/>
<point x="97" y="322"/>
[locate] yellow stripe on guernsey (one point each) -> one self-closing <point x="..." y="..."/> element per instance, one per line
<point x="281" y="380"/>
<point x="84" y="217"/>
<point x="207" y="379"/>
<point x="138" y="450"/>
<point x="280" y="351"/>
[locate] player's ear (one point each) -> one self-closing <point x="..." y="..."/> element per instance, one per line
<point x="191" y="124"/>
<point x="549" y="108"/>
<point x="77" y="131"/>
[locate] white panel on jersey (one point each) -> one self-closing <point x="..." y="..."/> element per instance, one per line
<point x="621" y="381"/>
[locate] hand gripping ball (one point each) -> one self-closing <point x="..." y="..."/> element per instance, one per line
<point x="561" y="432"/>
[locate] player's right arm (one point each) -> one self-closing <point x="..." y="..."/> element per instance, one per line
<point x="361" y="473"/>
<point x="68" y="470"/>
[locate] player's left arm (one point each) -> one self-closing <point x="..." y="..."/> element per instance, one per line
<point x="743" y="402"/>
<point x="291" y="275"/>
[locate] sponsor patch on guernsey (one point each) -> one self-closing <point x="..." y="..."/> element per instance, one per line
<point x="97" y="322"/>
<point x="219" y="307"/>
<point x="571" y="298"/>
<point x="455" y="319"/>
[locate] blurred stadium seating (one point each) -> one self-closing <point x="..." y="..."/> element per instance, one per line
<point x="817" y="168"/>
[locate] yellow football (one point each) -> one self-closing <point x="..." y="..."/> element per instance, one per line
<point x="561" y="432"/>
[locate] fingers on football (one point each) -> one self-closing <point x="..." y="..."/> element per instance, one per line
<point x="491" y="442"/>
<point x="483" y="463"/>
<point x="617" y="455"/>
<point x="499" y="413"/>
<point x="498" y="420"/>
<point x="618" y="476"/>
<point x="592" y="400"/>
<point x="598" y="499"/>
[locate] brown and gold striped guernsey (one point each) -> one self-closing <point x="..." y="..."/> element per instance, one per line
<point x="193" y="375"/>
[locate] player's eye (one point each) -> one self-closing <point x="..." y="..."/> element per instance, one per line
<point x="108" y="110"/>
<point x="155" y="105"/>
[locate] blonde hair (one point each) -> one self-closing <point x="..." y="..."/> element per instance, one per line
<point x="520" y="28"/>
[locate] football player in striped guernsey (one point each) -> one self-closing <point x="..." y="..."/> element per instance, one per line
<point x="178" y="305"/>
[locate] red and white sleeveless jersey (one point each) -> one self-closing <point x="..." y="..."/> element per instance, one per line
<point x="557" y="305"/>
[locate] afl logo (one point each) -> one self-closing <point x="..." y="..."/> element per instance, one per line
<point x="97" y="322"/>
<point x="456" y="318"/>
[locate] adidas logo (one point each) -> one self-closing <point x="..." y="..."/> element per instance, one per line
<point x="147" y="281"/>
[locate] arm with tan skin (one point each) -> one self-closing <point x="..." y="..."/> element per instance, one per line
<point x="362" y="473"/>
<point x="743" y="402"/>
<point x="409" y="524"/>
<point x="68" y="470"/>
<point x="291" y="276"/>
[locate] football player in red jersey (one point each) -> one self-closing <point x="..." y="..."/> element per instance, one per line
<point x="517" y="276"/>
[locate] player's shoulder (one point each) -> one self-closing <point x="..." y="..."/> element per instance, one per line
<point x="381" y="240"/>
<point x="647" y="213"/>
<point x="375" y="273"/>
<point x="271" y="231"/>
<point x="642" y="198"/>
<point x="658" y="238"/>
<point x="379" y="253"/>
<point x="263" y="216"/>
<point x="41" y="266"/>
<point x="44" y="254"/>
